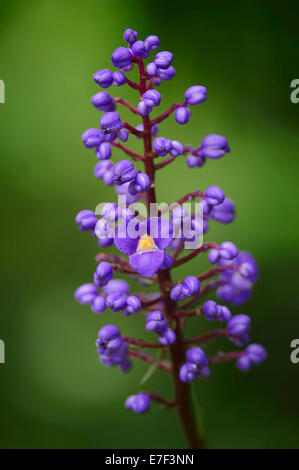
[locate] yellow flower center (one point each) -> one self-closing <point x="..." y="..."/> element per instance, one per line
<point x="146" y="243"/>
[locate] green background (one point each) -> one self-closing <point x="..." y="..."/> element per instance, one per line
<point x="53" y="391"/>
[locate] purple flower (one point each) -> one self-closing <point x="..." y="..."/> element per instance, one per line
<point x="187" y="372"/>
<point x="99" y="304"/>
<point x="210" y="310"/>
<point x="86" y="293"/>
<point x="224" y="212"/>
<point x="152" y="42"/>
<point x="123" y="134"/>
<point x="238" y="325"/>
<point x="103" y="274"/>
<point x="155" y="321"/>
<point x="223" y="313"/>
<point x="133" y="305"/>
<point x="92" y="138"/>
<point x="197" y="356"/>
<point x="139" y="49"/>
<point x="143" y="108"/>
<point x="86" y="220"/>
<point x="162" y="146"/>
<point x="123" y="172"/>
<point x="182" y="115"/>
<point x="139" y="403"/>
<point x="144" y="243"/>
<point x="116" y="302"/>
<point x="166" y="74"/>
<point x="117" y="286"/>
<point x="110" y="211"/>
<point x="214" y="195"/>
<point x="103" y="152"/>
<point x="110" y="123"/>
<point x="167" y="337"/>
<point x="103" y="101"/>
<point x="103" y="78"/>
<point x="214" y="146"/>
<point x="163" y="59"/>
<point x="176" y="148"/>
<point x="214" y="256"/>
<point x="141" y="183"/>
<point x="253" y="354"/>
<point x="152" y="98"/>
<point x="196" y="365"/>
<point x="189" y="288"/>
<point x="151" y="68"/>
<point x="103" y="168"/>
<point x="109" y="337"/>
<point x="228" y="250"/>
<point x="121" y="57"/>
<point x="130" y="36"/>
<point x="119" y="78"/>
<point x="195" y="94"/>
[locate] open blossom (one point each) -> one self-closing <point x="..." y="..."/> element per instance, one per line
<point x="148" y="248"/>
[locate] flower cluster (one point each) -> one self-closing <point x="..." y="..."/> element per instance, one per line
<point x="149" y="246"/>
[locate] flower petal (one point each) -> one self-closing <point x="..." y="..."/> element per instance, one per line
<point x="160" y="230"/>
<point x="147" y="263"/>
<point x="123" y="242"/>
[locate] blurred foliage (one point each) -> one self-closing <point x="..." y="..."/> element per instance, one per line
<point x="53" y="391"/>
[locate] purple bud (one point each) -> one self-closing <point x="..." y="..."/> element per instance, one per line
<point x="152" y="42"/>
<point x="117" y="286"/>
<point x="110" y="123"/>
<point x="103" y="152"/>
<point x="247" y="270"/>
<point x="228" y="250"/>
<point x="130" y="36"/>
<point x="110" y="211"/>
<point x="144" y="108"/>
<point x="176" y="148"/>
<point x="119" y="78"/>
<point x="86" y="293"/>
<point x="195" y="94"/>
<point x="155" y="321"/>
<point x="243" y="363"/>
<point x="223" y="313"/>
<point x="194" y="161"/>
<point x="139" y="403"/>
<point x="166" y="74"/>
<point x="213" y="256"/>
<point x="182" y="115"/>
<point x="109" y="337"/>
<point x="187" y="372"/>
<point x="103" y="274"/>
<point x="204" y="372"/>
<point x="238" y="325"/>
<point x="192" y="286"/>
<point x="210" y="310"/>
<point x="163" y="59"/>
<point x="103" y="78"/>
<point x="256" y="353"/>
<point x="162" y="146"/>
<point x="86" y="220"/>
<point x="168" y="261"/>
<point x="141" y="183"/>
<point x="91" y="138"/>
<point x="123" y="172"/>
<point x="123" y="134"/>
<point x="99" y="304"/>
<point x="177" y="292"/>
<point x="139" y="49"/>
<point x="214" y="195"/>
<point x="152" y="69"/>
<point x="102" y="167"/>
<point x="214" y="146"/>
<point x="116" y="302"/>
<point x="197" y="356"/>
<point x="167" y="337"/>
<point x="121" y="57"/>
<point x="102" y="100"/>
<point x="123" y="189"/>
<point x="133" y="305"/>
<point x="224" y="212"/>
<point x="152" y="98"/>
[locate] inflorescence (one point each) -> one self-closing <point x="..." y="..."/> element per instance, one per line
<point x="150" y="256"/>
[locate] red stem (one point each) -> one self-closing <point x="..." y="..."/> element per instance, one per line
<point x="168" y="112"/>
<point x="162" y="365"/>
<point x="127" y="105"/>
<point x="209" y="335"/>
<point x="155" y="396"/>
<point x="226" y="357"/>
<point x="203" y="248"/>
<point x="132" y="154"/>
